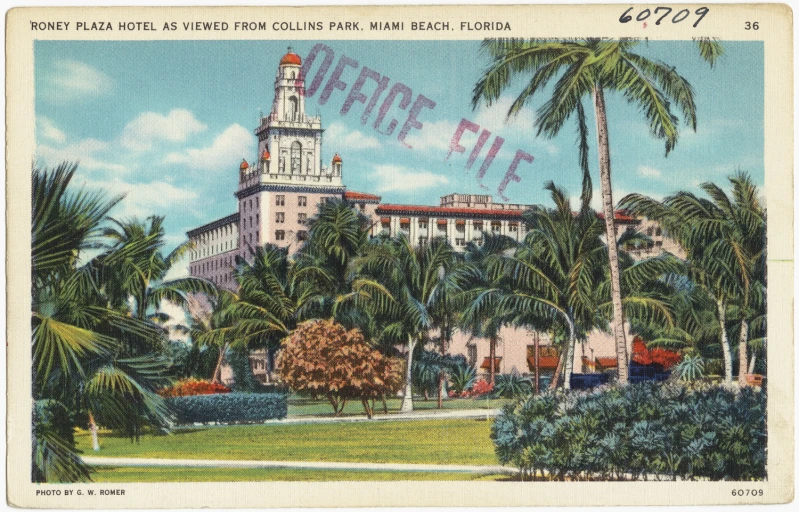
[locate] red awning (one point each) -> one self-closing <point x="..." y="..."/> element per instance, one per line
<point x="385" y="220"/>
<point x="442" y="222"/>
<point x="460" y="222"/>
<point x="486" y="364"/>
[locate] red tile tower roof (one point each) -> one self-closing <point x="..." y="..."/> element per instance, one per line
<point x="291" y="58"/>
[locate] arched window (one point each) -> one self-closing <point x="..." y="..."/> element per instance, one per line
<point x="296" y="157"/>
<point x="293" y="108"/>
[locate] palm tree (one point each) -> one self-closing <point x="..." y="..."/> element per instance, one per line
<point x="588" y="68"/>
<point x="135" y="267"/>
<point x="79" y="363"/>
<point x="272" y="299"/>
<point x="482" y="295"/>
<point x="402" y="281"/>
<point x="724" y="241"/>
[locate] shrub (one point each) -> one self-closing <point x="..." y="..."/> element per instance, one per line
<point x="229" y="408"/>
<point x="323" y="358"/>
<point x="512" y="385"/>
<point x="427" y="369"/>
<point x="192" y="387"/>
<point x="461" y="379"/>
<point x="636" y="431"/>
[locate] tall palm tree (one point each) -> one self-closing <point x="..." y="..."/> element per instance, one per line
<point x="481" y="298"/>
<point x="135" y="267"/>
<point x="79" y="362"/>
<point x="724" y="240"/>
<point x="402" y="281"/>
<point x="272" y="299"/>
<point x="589" y="68"/>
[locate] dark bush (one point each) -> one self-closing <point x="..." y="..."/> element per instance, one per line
<point x="512" y="385"/>
<point x="229" y="408"/>
<point x="638" y="431"/>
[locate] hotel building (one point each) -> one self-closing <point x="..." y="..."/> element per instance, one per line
<point x="281" y="190"/>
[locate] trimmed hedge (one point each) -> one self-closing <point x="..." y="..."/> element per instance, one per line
<point x="637" y="431"/>
<point x="229" y="408"/>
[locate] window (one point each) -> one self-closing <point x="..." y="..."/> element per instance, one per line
<point x="362" y="206"/>
<point x="280" y="217"/>
<point x="460" y="242"/>
<point x="296" y="157"/>
<point x="280" y="200"/>
<point x="658" y="232"/>
<point x="649" y="231"/>
<point x="513" y="228"/>
<point x="257" y="218"/>
<point x="250" y="237"/>
<point x="460" y="228"/>
<point x="257" y="237"/>
<point x="422" y="241"/>
<point x="472" y="354"/>
<point x="280" y="234"/>
<point x="302" y="201"/>
<point x="293" y="108"/>
<point x="256" y="202"/>
<point x="495" y="227"/>
<point x="302" y="235"/>
<point x="302" y="218"/>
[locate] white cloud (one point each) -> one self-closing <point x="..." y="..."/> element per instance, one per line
<point x="395" y="178"/>
<point x="72" y="80"/>
<point x="150" y="127"/>
<point x="47" y="129"/>
<point x="341" y="139"/>
<point x="87" y="152"/>
<point x="226" y="151"/>
<point x="495" y="118"/>
<point x="649" y="172"/>
<point x="142" y="199"/>
<point x="436" y="136"/>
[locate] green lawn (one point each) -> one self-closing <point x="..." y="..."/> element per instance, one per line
<point x="142" y="474"/>
<point x="459" y="441"/>
<point x="299" y="406"/>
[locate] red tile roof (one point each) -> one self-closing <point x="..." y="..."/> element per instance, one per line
<point x="620" y="215"/>
<point x="291" y="58"/>
<point x="446" y="211"/>
<point x="355" y="196"/>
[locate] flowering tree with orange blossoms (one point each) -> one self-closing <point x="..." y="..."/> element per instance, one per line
<point x="323" y="358"/>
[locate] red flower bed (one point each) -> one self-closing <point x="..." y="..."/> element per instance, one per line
<point x="663" y="357"/>
<point x="192" y="387"/>
<point x="479" y="388"/>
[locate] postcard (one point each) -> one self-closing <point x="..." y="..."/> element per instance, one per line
<point x="400" y="256"/>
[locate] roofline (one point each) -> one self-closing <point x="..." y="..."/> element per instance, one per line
<point x="213" y="225"/>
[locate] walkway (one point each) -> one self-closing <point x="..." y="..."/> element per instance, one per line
<point x="258" y="464"/>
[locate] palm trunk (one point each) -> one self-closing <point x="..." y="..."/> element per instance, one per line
<point x="752" y="362"/>
<point x="569" y="359"/>
<point x="742" y="342"/>
<point x="553" y="385"/>
<point x="492" y="356"/>
<point x="537" y="372"/>
<point x="725" y="342"/>
<point x="407" y="398"/>
<point x="442" y="373"/>
<point x="603" y="146"/>
<point x="266" y="365"/>
<point x="217" y="378"/>
<point x="93" y="430"/>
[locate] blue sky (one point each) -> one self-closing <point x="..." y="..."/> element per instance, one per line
<point x="169" y="122"/>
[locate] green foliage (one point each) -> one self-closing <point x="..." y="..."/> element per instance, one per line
<point x="229" y="408"/>
<point x="427" y="368"/>
<point x="637" y="431"/>
<point x="512" y="385"/>
<point x="55" y="458"/>
<point x="462" y="377"/>
<point x="245" y="381"/>
<point x="690" y="369"/>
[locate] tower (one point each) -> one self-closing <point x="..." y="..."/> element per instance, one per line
<point x="278" y="193"/>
